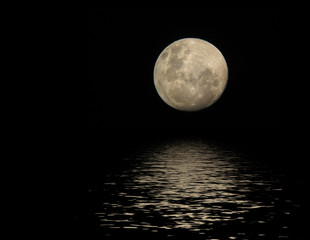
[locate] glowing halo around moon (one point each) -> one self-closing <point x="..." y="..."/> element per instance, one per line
<point x="190" y="74"/>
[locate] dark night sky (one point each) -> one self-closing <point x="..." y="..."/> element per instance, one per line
<point x="124" y="43"/>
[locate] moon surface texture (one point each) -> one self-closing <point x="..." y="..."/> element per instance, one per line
<point x="190" y="74"/>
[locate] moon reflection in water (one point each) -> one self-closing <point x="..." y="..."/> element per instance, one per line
<point x="186" y="185"/>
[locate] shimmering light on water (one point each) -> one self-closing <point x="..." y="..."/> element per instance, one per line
<point x="191" y="186"/>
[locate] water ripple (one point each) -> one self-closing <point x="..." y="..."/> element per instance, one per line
<point x="185" y="185"/>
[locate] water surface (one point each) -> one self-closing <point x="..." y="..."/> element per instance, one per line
<point x="192" y="189"/>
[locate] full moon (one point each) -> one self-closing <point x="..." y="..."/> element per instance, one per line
<point x="190" y="74"/>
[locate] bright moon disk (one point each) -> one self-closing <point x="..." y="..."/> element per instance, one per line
<point x="190" y="74"/>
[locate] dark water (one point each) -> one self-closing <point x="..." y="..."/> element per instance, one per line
<point x="190" y="189"/>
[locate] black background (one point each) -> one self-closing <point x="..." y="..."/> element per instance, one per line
<point x="124" y="43"/>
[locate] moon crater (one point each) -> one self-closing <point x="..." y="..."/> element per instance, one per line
<point x="190" y="74"/>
